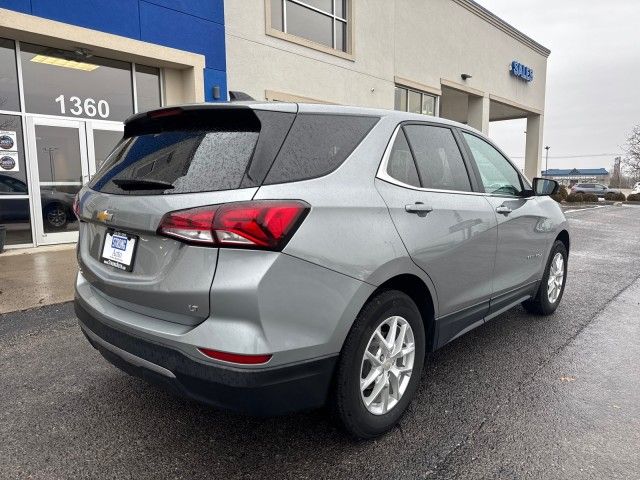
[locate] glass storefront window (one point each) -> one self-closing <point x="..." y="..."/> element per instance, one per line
<point x="9" y="97"/>
<point x="13" y="152"/>
<point x="413" y="101"/>
<point x="76" y="85"/>
<point x="147" y="87"/>
<point x="15" y="216"/>
<point x="400" y="99"/>
<point x="321" y="21"/>
<point x="104" y="141"/>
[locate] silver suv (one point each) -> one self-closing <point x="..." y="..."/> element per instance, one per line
<point x="274" y="257"/>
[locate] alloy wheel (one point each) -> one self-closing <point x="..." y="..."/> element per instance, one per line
<point x="387" y="365"/>
<point x="556" y="277"/>
<point x="56" y="217"/>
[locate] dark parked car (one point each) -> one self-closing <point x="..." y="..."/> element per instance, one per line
<point x="57" y="207"/>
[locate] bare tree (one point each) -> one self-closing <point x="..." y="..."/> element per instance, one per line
<point x="631" y="159"/>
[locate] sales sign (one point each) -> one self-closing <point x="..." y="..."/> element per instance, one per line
<point x="521" y="71"/>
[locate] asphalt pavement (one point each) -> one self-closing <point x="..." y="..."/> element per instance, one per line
<point x="520" y="397"/>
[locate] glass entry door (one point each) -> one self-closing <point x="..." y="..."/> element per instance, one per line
<point x="59" y="168"/>
<point x="64" y="155"/>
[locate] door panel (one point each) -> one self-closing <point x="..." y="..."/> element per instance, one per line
<point x="454" y="243"/>
<point x="522" y="240"/>
<point x="522" y="226"/>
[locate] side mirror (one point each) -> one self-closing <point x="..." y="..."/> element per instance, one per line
<point x="544" y="186"/>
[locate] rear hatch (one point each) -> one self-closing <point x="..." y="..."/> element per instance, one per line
<point x="169" y="160"/>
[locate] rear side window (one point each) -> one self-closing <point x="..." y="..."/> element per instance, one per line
<point x="177" y="162"/>
<point x="318" y="144"/>
<point x="439" y="161"/>
<point x="401" y="165"/>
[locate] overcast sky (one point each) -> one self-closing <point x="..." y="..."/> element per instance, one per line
<point x="593" y="77"/>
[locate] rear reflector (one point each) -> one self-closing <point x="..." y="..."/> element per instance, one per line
<point x="236" y="357"/>
<point x="262" y="224"/>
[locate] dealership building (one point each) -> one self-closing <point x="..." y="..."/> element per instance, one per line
<point x="71" y="71"/>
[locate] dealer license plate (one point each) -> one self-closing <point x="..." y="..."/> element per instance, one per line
<point x="119" y="250"/>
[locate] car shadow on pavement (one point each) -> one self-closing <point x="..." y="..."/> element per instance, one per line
<point x="462" y="384"/>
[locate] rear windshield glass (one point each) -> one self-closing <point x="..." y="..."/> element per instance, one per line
<point x="318" y="144"/>
<point x="173" y="162"/>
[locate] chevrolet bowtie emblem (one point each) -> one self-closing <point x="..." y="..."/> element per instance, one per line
<point x="104" y="216"/>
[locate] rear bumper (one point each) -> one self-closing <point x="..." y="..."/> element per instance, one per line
<point x="264" y="391"/>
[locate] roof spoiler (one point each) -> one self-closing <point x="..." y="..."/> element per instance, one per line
<point x="235" y="96"/>
<point x="193" y="117"/>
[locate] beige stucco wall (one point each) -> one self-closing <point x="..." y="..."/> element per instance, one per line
<point x="421" y="41"/>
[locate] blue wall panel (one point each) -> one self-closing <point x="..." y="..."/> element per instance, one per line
<point x="186" y="32"/>
<point x="23" y="6"/>
<point x="213" y="78"/>
<point x="207" y="9"/>
<point x="192" y="25"/>
<point x="119" y="17"/>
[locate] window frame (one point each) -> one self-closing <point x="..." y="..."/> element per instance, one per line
<point x="347" y="54"/>
<point x="422" y="94"/>
<point x="527" y="189"/>
<point x="382" y="174"/>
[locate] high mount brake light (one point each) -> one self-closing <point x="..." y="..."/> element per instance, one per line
<point x="165" y="112"/>
<point x="262" y="224"/>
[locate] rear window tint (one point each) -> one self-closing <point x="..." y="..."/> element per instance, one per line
<point x="318" y="144"/>
<point x="177" y="162"/>
<point x="401" y="165"/>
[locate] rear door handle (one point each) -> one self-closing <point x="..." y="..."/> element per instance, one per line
<point x="418" y="208"/>
<point x="504" y="210"/>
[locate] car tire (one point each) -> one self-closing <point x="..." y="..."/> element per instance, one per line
<point x="376" y="317"/>
<point x="545" y="303"/>
<point x="56" y="216"/>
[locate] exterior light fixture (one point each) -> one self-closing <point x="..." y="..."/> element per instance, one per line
<point x="63" y="62"/>
<point x="465" y="76"/>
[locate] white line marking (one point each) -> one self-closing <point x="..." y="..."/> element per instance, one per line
<point x="586" y="208"/>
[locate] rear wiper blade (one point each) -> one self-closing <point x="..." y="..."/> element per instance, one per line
<point x="130" y="184"/>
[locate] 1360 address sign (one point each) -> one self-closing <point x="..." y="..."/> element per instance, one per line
<point x="79" y="107"/>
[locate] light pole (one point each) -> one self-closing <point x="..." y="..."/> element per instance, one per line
<point x="546" y="168"/>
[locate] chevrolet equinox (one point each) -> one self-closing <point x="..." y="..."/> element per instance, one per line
<point x="271" y="257"/>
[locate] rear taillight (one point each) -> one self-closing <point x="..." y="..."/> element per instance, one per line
<point x="76" y="205"/>
<point x="266" y="224"/>
<point x="236" y="357"/>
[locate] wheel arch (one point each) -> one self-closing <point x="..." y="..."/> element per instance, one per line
<point x="419" y="292"/>
<point x="563" y="236"/>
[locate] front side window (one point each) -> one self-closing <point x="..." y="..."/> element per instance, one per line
<point x="439" y="161"/>
<point x="407" y="100"/>
<point x="498" y="176"/>
<point x="322" y="21"/>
